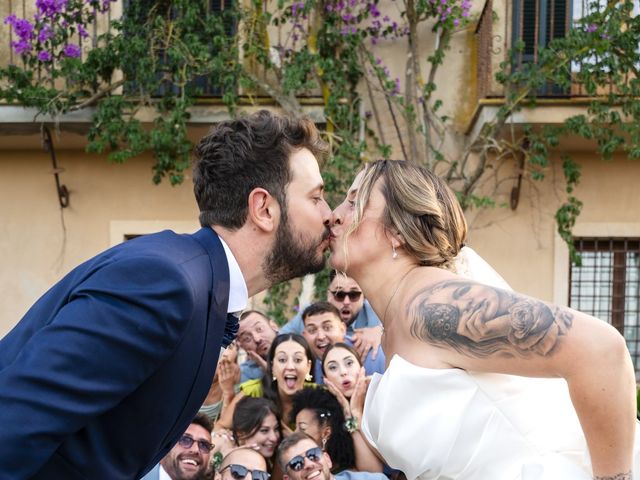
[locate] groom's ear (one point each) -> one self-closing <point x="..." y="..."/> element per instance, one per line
<point x="263" y="210"/>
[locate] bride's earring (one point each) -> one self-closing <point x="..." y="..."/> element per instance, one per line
<point x="394" y="255"/>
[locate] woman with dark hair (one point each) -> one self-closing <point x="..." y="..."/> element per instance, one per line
<point x="318" y="413"/>
<point x="288" y="370"/>
<point x="342" y="368"/>
<point x="256" y="423"/>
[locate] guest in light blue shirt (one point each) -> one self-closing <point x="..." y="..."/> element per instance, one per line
<point x="363" y="326"/>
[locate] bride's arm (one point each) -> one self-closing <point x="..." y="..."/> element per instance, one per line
<point x="480" y="328"/>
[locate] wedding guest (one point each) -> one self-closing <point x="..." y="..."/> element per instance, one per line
<point x="318" y="413"/>
<point x="255" y="334"/>
<point x="341" y="367"/>
<point x="301" y="458"/>
<point x="289" y="364"/>
<point x="189" y="458"/>
<point x="242" y="463"/>
<point x="322" y="328"/>
<point x="363" y="325"/>
<point x="224" y="380"/>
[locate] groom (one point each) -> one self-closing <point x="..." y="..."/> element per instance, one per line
<point x="105" y="372"/>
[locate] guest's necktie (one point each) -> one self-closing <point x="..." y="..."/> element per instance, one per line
<point x="230" y="329"/>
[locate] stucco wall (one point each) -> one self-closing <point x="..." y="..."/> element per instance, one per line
<point x="39" y="243"/>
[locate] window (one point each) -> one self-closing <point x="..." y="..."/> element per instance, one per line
<point x="536" y="23"/>
<point x="138" y="11"/>
<point x="607" y="285"/>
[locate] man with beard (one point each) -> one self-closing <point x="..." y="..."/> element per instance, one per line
<point x="112" y="363"/>
<point x="363" y="326"/>
<point x="255" y="334"/>
<point x="189" y="458"/>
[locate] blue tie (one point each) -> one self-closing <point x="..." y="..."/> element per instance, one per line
<point x="230" y="330"/>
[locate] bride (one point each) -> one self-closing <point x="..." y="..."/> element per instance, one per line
<point x="483" y="382"/>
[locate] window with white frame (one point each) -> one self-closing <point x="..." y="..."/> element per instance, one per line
<point x="607" y="285"/>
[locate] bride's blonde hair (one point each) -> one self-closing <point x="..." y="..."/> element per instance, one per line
<point x="419" y="206"/>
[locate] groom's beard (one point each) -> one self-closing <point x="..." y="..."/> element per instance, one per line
<point x="293" y="255"/>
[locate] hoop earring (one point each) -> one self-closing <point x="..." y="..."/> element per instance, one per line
<point x="394" y="255"/>
<point x="324" y="443"/>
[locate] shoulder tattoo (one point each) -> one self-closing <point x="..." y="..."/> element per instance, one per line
<point x="480" y="320"/>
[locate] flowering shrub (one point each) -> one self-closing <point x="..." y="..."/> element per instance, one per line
<point x="49" y="34"/>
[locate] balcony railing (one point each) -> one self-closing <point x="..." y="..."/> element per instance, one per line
<point x="535" y="23"/>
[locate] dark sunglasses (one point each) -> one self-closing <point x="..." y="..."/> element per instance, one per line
<point x="186" y="441"/>
<point x="339" y="295"/>
<point x="239" y="472"/>
<point x="297" y="463"/>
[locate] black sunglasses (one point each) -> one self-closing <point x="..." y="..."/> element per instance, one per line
<point x="339" y="295"/>
<point x="186" y="441"/>
<point x="239" y="472"/>
<point x="297" y="463"/>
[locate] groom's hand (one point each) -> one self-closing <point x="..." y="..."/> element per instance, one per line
<point x="365" y="339"/>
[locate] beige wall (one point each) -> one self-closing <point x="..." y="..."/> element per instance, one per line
<point x="523" y="245"/>
<point x="39" y="243"/>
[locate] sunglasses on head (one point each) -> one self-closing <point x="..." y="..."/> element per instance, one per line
<point x="339" y="295"/>
<point x="297" y="463"/>
<point x="186" y="441"/>
<point x="239" y="472"/>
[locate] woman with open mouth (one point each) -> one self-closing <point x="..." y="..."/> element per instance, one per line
<point x="289" y="364"/>
<point x="341" y="366"/>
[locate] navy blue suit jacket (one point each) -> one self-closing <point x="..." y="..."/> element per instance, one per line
<point x="108" y="368"/>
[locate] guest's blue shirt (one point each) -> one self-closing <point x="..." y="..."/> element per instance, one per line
<point x="365" y="318"/>
<point x="351" y="475"/>
<point x="250" y="370"/>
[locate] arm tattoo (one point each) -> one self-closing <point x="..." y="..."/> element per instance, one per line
<point x="480" y="320"/>
<point x="619" y="476"/>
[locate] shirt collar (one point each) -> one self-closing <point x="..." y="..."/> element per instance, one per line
<point x="238" y="293"/>
<point x="162" y="474"/>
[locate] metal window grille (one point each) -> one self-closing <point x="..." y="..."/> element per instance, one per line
<point x="607" y="285"/>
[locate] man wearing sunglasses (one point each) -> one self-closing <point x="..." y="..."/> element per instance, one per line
<point x="243" y="464"/>
<point x="301" y="458"/>
<point x="189" y="458"/>
<point x="363" y="325"/>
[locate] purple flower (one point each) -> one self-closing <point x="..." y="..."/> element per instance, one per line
<point x="396" y="87"/>
<point x="82" y="31"/>
<point x="22" y="28"/>
<point x="45" y="33"/>
<point x="374" y="11"/>
<point x="386" y="18"/>
<point x="72" y="51"/>
<point x="21" y="47"/>
<point x="456" y="22"/>
<point x="44" y="56"/>
<point x="50" y="7"/>
<point x="592" y="28"/>
<point x="347" y="17"/>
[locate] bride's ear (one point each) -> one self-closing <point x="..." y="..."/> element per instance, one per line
<point x="395" y="237"/>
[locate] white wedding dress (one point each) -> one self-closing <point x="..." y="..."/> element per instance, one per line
<point x="453" y="424"/>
